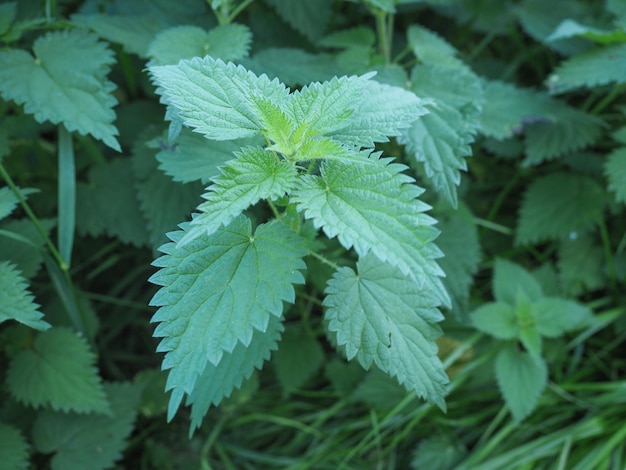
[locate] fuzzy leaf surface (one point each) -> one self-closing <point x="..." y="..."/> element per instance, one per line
<point x="216" y="291"/>
<point x="521" y="379"/>
<point x="382" y="317"/>
<point x="217" y="382"/>
<point x="253" y="174"/>
<point x="58" y="371"/>
<point x="214" y="98"/>
<point x="17" y="302"/>
<point x="14" y="450"/>
<point x="374" y="208"/>
<point x="88" y="441"/>
<point x="69" y="88"/>
<point x="558" y="205"/>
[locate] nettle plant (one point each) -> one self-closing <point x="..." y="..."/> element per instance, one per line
<point x="226" y="278"/>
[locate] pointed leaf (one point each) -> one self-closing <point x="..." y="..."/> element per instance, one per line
<point x="88" y="441"/>
<point x="509" y="279"/>
<point x="496" y="319"/>
<point x="17" y="301"/>
<point x="254" y="174"/>
<point x="373" y="208"/>
<point x="554" y="316"/>
<point x="25" y="249"/>
<point x="558" y="205"/>
<point x="58" y="371"/>
<point x="380" y="316"/>
<point x="216" y="291"/>
<point x="581" y="264"/>
<point x="521" y="379"/>
<point x="14" y="450"/>
<point x="217" y="382"/>
<point x="8" y="200"/>
<point x="213" y="98"/>
<point x="615" y="172"/>
<point x="430" y="48"/>
<point x="69" y="88"/>
<point x="308" y="17"/>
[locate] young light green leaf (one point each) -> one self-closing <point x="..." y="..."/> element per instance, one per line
<point x="88" y="441"/>
<point x="298" y="358"/>
<point x="521" y="379"/>
<point x="217" y="382"/>
<point x="509" y="279"/>
<point x="226" y="42"/>
<point x="559" y="205"/>
<point x="346" y="201"/>
<point x="615" y="172"/>
<point x="17" y="302"/>
<point x="14" y="450"/>
<point x="554" y="316"/>
<point x="58" y="371"/>
<point x="216" y="291"/>
<point x="496" y="319"/>
<point x="69" y="88"/>
<point x="213" y="97"/>
<point x="597" y="67"/>
<point x="276" y="126"/>
<point x="381" y="316"/>
<point x="383" y="111"/>
<point x="253" y="175"/>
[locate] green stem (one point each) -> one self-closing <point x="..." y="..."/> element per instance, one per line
<point x="67" y="195"/>
<point x="608" y="99"/>
<point x="324" y="260"/>
<point x="493" y="226"/>
<point x="31" y="215"/>
<point x="383" y="20"/>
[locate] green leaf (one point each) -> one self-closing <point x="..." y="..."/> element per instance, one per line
<point x="308" y="17"/>
<point x="439" y="452"/>
<point x="378" y="390"/>
<point x="111" y="185"/>
<point x="496" y="319"/>
<point x="69" y="88"/>
<point x="14" y="450"/>
<point x="597" y="67"/>
<point x="58" y="371"/>
<point x="615" y="172"/>
<point x="581" y="264"/>
<point x="88" y="441"/>
<point x="226" y="42"/>
<point x="570" y="28"/>
<point x="440" y="141"/>
<point x="384" y="111"/>
<point x="254" y="174"/>
<point x="348" y="38"/>
<point x="22" y="244"/>
<point x="509" y="279"/>
<point x="346" y="201"/>
<point x="559" y="205"/>
<point x="214" y="98"/>
<point x="8" y="13"/>
<point x="381" y="316"/>
<point x="8" y="200"/>
<point x="298" y="358"/>
<point x="521" y="379"/>
<point x="529" y="334"/>
<point x="217" y="382"/>
<point x="17" y="301"/>
<point x="216" y="291"/>
<point x="430" y="48"/>
<point x="554" y="316"/>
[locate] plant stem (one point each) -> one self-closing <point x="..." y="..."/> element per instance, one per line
<point x="33" y="218"/>
<point x="384" y="27"/>
<point x="324" y="260"/>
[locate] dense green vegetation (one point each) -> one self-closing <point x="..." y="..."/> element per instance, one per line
<point x="312" y="234"/>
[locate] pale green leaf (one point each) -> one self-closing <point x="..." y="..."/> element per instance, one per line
<point x="8" y="200"/>
<point x="430" y="48"/>
<point x="496" y="319"/>
<point x="521" y="379"/>
<point x="58" y="371"/>
<point x="217" y="382"/>
<point x="509" y="279"/>
<point x="382" y="317"/>
<point x="374" y="208"/>
<point x="581" y="264"/>
<point x="276" y="126"/>
<point x="597" y="67"/>
<point x="254" y="174"/>
<point x="108" y="203"/>
<point x="14" y="450"/>
<point x="17" y="301"/>
<point x="298" y="358"/>
<point x="554" y="316"/>
<point x="383" y="111"/>
<point x="88" y="441"/>
<point x="214" y="98"/>
<point x="559" y="205"/>
<point x="22" y="244"/>
<point x="226" y="42"/>
<point x="69" y="88"/>
<point x="308" y="17"/>
<point x="570" y="28"/>
<point x="216" y="291"/>
<point x="615" y="172"/>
